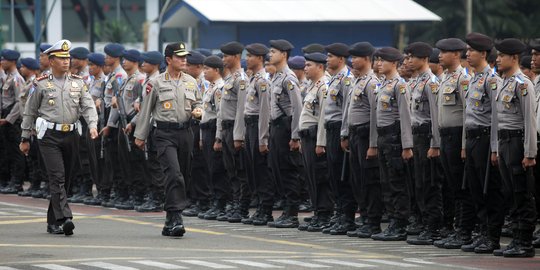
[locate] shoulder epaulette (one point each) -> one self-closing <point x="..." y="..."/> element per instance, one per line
<point x="42" y="77"/>
<point x="76" y="76"/>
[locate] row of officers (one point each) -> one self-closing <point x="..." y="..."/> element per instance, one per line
<point x="445" y="153"/>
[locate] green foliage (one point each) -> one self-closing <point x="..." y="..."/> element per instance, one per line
<point x="115" y="31"/>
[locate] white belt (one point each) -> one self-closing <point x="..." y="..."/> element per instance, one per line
<point x="62" y="127"/>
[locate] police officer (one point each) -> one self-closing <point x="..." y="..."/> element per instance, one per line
<point x="360" y="125"/>
<point x="53" y="108"/>
<point x="79" y="62"/>
<point x="434" y="65"/>
<point x="451" y="96"/>
<point x="232" y="131"/>
<point x="172" y="100"/>
<point x="338" y="92"/>
<point x="394" y="143"/>
<point x="425" y="127"/>
<point x="257" y="118"/>
<point x="12" y="161"/>
<point x="44" y="65"/>
<point x="199" y="189"/>
<point x="535" y="67"/>
<point x="213" y="70"/>
<point x="481" y="146"/>
<point x="515" y="103"/>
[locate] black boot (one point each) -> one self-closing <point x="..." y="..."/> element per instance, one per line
<point x="426" y="237"/>
<point x="264" y="216"/>
<point x="54" y="229"/>
<point x="291" y="218"/>
<point x="368" y="229"/>
<point x="477" y="241"/>
<point x="241" y="212"/>
<point x="68" y="227"/>
<point x="461" y="238"/>
<point x="523" y="248"/>
<point x="174" y="225"/>
<point x="323" y="221"/>
<point x="215" y="211"/>
<point x="347" y="224"/>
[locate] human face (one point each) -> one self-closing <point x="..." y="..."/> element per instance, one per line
<point x="506" y="62"/>
<point x="148" y="68"/>
<point x="359" y="63"/>
<point x="253" y="61"/>
<point x="276" y="56"/>
<point x="59" y="64"/>
<point x="177" y="63"/>
<point x="271" y="69"/>
<point x="94" y="69"/>
<point x="416" y="63"/>
<point x="194" y="70"/>
<point x="474" y="57"/>
<point x="535" y="61"/>
<point x="387" y="67"/>
<point x="43" y="61"/>
<point x="129" y="65"/>
<point x="78" y="63"/>
<point x="313" y="70"/>
<point x="7" y="65"/>
<point x="210" y="74"/>
<point x="229" y="61"/>
<point x="109" y="60"/>
<point x="333" y="62"/>
<point x="447" y="59"/>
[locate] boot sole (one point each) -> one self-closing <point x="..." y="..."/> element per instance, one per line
<point x="68" y="228"/>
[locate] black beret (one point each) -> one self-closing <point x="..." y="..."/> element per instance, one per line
<point x="451" y="45"/>
<point x="203" y="51"/>
<point x="434" y="57"/>
<point x="257" y="49"/>
<point x="281" y="44"/>
<point x="33" y="64"/>
<point x="10" y="55"/>
<point x="178" y="49"/>
<point x="535" y="44"/>
<point x="419" y="49"/>
<point x="297" y="62"/>
<point x="511" y="46"/>
<point x="79" y="53"/>
<point x="213" y="61"/>
<point x="312" y="48"/>
<point x="132" y="55"/>
<point x="492" y="57"/>
<point x="389" y="54"/>
<point x="97" y="58"/>
<point x="526" y="62"/>
<point x="44" y="46"/>
<point x="114" y="49"/>
<point x="338" y="49"/>
<point x="152" y="57"/>
<point x="361" y="49"/>
<point x="479" y="42"/>
<point x="316" y="57"/>
<point x="232" y="48"/>
<point x="195" y="58"/>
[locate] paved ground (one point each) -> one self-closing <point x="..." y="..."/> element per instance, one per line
<point x="126" y="240"/>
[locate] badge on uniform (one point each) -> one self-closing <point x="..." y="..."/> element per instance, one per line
<point x="347" y="81"/>
<point x="523" y="88"/>
<point x="51" y="102"/>
<point x="465" y="85"/>
<point x="167" y="105"/>
<point x="74" y="84"/>
<point x="242" y="85"/>
<point x="290" y="86"/>
<point x="251" y="98"/>
<point x="493" y="84"/>
<point x="402" y="89"/>
<point x="263" y="87"/>
<point x="434" y="87"/>
<point x="148" y="88"/>
<point x="50" y="85"/>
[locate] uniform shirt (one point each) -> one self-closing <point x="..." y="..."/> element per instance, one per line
<point x="338" y="91"/>
<point x="211" y="100"/>
<point x="97" y="86"/>
<point x="258" y="103"/>
<point x="11" y="91"/>
<point x="130" y="91"/>
<point x="145" y="90"/>
<point x="515" y="109"/>
<point x="232" y="103"/>
<point x="25" y="91"/>
<point x="393" y="98"/>
<point x="424" y="104"/>
<point x="451" y="94"/>
<point x="285" y="99"/>
<point x="113" y="83"/>
<point x="58" y="101"/>
<point x="304" y="86"/>
<point x="202" y="83"/>
<point x="480" y="98"/>
<point x="84" y="74"/>
<point x="313" y="110"/>
<point x="361" y="106"/>
<point x="537" y="90"/>
<point x="168" y="100"/>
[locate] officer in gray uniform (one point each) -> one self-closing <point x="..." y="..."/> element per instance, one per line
<point x="425" y="127"/>
<point x="313" y="138"/>
<point x="285" y="157"/>
<point x="12" y="161"/>
<point x="451" y="103"/>
<point x="360" y="126"/>
<point x="338" y="162"/>
<point x="517" y="133"/>
<point x="232" y="130"/>
<point x="53" y="109"/>
<point x="483" y="176"/>
<point x="394" y="143"/>
<point x="172" y="100"/>
<point x="257" y="118"/>
<point x="535" y="67"/>
<point x="213" y="70"/>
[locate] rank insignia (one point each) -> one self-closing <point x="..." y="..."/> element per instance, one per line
<point x="523" y="88"/>
<point x="51" y="102"/>
<point x="167" y="105"/>
<point x="290" y="86"/>
<point x="263" y="87"/>
<point x="434" y="87"/>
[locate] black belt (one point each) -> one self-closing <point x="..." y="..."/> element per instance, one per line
<point x="251" y="119"/>
<point x="509" y="133"/>
<point x="391" y="129"/>
<point x="332" y="125"/>
<point x="226" y="124"/>
<point x="211" y="124"/>
<point x="359" y="129"/>
<point x="477" y="132"/>
<point x="422" y="129"/>
<point x="172" y="125"/>
<point x="450" y="131"/>
<point x="310" y="132"/>
<point x="281" y="120"/>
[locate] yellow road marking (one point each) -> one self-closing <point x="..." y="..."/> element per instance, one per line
<point x="34" y="220"/>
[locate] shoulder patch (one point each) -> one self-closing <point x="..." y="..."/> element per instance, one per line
<point x="465" y="85"/>
<point x="290" y="85"/>
<point x="402" y="88"/>
<point x="347" y="81"/>
<point x="434" y="87"/>
<point x="523" y="88"/>
<point x="263" y="87"/>
<point x="76" y="76"/>
<point x="493" y="83"/>
<point x="42" y="77"/>
<point x="242" y="85"/>
<point x="148" y="88"/>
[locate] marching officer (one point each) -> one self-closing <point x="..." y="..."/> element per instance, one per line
<point x="172" y="100"/>
<point x="55" y="104"/>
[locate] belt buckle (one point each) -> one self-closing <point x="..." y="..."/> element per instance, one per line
<point x="65" y="128"/>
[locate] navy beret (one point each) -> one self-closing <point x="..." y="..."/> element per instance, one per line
<point x="213" y="61"/>
<point x="297" y="62"/>
<point x="535" y="44"/>
<point x="195" y="58"/>
<point x="316" y="57"/>
<point x="526" y="61"/>
<point x="152" y="57"/>
<point x="419" y="49"/>
<point x="281" y="44"/>
<point x="434" y="57"/>
<point x="338" y="49"/>
<point x="479" y="42"/>
<point x="511" y="46"/>
<point x="203" y="51"/>
<point x="132" y="55"/>
<point x="30" y="63"/>
<point x="257" y="49"/>
<point x="44" y="46"/>
<point x="232" y="48"/>
<point x="451" y="45"/>
<point x="389" y="54"/>
<point x="79" y="53"/>
<point x="312" y="48"/>
<point x="10" y="55"/>
<point x="97" y="59"/>
<point x="361" y="49"/>
<point x="114" y="49"/>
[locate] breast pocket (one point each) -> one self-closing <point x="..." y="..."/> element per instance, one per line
<point x="75" y="95"/>
<point x="229" y="94"/>
<point x="385" y="103"/>
<point x="166" y="100"/>
<point x="51" y="98"/>
<point x="189" y="100"/>
<point x="506" y="103"/>
<point x="476" y="100"/>
<point x="449" y="96"/>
